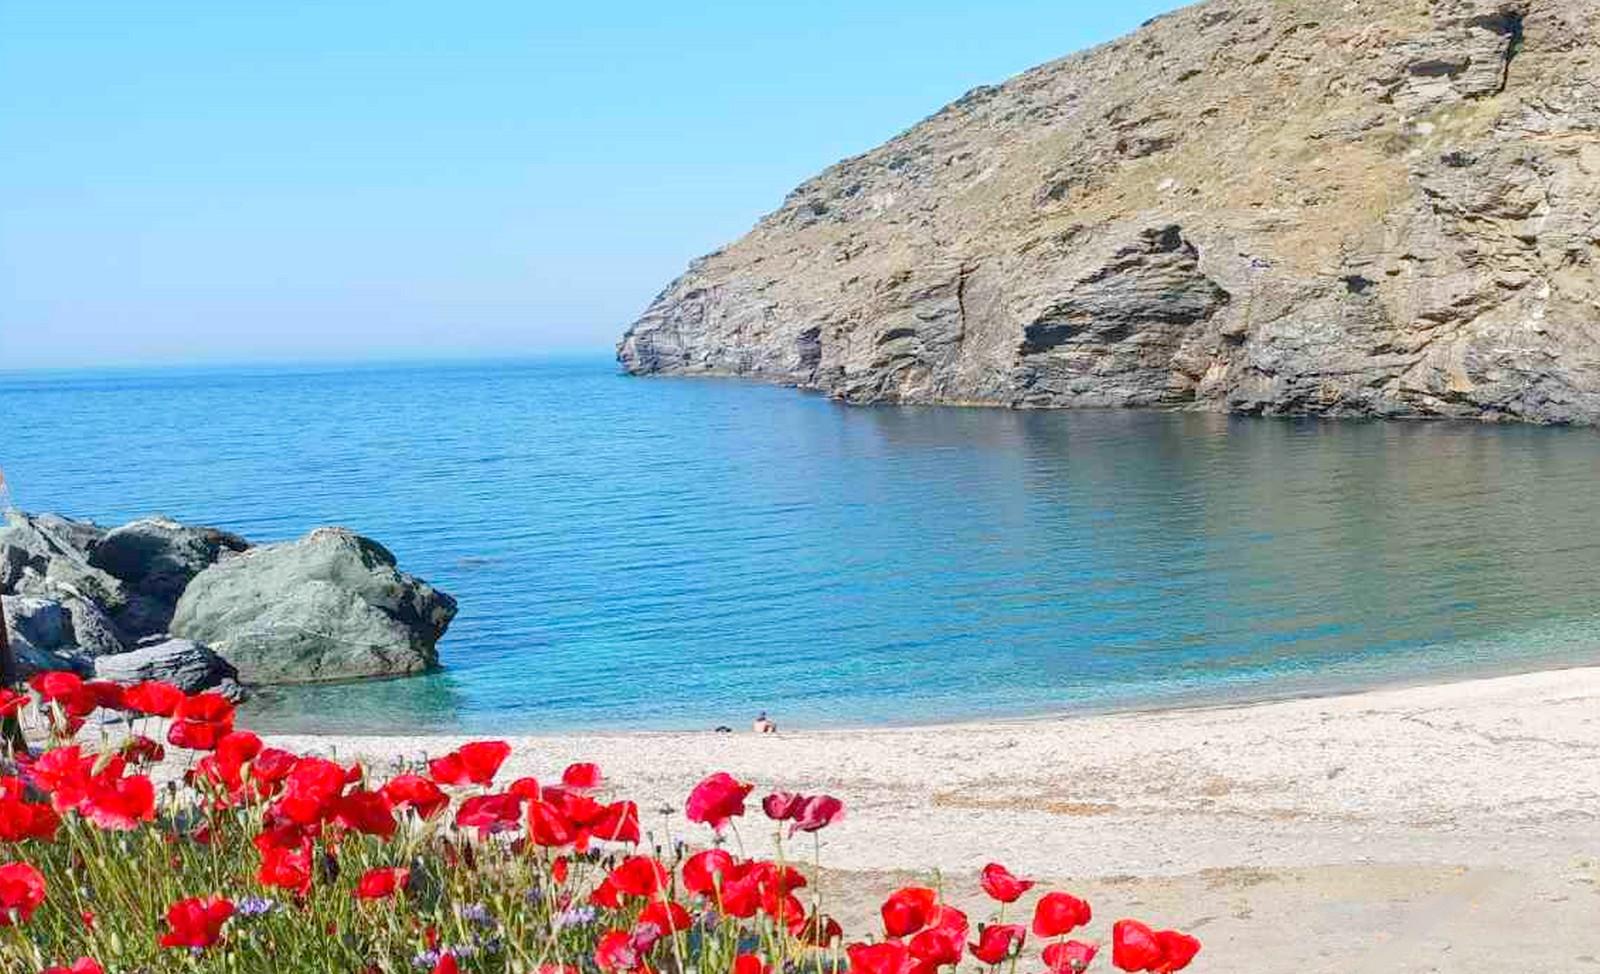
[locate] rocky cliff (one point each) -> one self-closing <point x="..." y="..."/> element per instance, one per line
<point x="1342" y="207"/>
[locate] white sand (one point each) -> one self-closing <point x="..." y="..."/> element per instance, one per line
<point x="1443" y="828"/>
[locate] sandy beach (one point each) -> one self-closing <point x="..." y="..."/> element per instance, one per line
<point x="1443" y="828"/>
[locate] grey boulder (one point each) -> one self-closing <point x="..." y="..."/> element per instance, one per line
<point x="36" y="552"/>
<point x="330" y="606"/>
<point x="155" y="558"/>
<point x="182" y="662"/>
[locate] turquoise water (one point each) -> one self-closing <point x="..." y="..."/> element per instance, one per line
<point x="647" y="553"/>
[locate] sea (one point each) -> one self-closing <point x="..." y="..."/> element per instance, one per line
<point x="674" y="553"/>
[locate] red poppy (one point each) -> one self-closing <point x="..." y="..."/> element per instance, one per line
<point x="780" y="806"/>
<point x="22" y="889"/>
<point x="1177" y="950"/>
<point x="272" y="766"/>
<point x="474" y="763"/>
<point x="749" y="964"/>
<point x="11" y="702"/>
<point x="142" y="750"/>
<point x="367" y="812"/>
<point x="56" y="685"/>
<point x="196" y="922"/>
<point x="447" y="965"/>
<point x="20" y="820"/>
<point x="616" y="952"/>
<point x="639" y="876"/>
<point x="664" y="916"/>
<point x="416" y="792"/>
<point x="617" y="822"/>
<point x="998" y="882"/>
<point x="527" y="788"/>
<point x="583" y="776"/>
<point x="105" y="693"/>
<point x="380" y="884"/>
<point x="490" y="814"/>
<point x="816" y="813"/>
<point x="83" y="965"/>
<point x="995" y="942"/>
<point x="154" y="697"/>
<point x="119" y="803"/>
<point x="547" y="826"/>
<point x="940" y="945"/>
<point x="63" y="773"/>
<point x="885" y="958"/>
<point x="717" y="799"/>
<point x="286" y="867"/>
<point x="908" y="910"/>
<point x="1059" y="913"/>
<point x="704" y="870"/>
<point x="821" y="931"/>
<point x="1134" y="947"/>
<point x="200" y="721"/>
<point x="310" y="790"/>
<point x="1069" y="957"/>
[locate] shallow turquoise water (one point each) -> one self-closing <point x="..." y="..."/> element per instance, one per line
<point x="680" y="553"/>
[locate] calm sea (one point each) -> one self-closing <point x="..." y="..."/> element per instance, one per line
<point x="666" y="553"/>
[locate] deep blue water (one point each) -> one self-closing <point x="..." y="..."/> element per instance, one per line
<point x="679" y="553"/>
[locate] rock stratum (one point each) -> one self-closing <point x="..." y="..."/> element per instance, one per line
<point x="205" y="609"/>
<point x="1334" y="207"/>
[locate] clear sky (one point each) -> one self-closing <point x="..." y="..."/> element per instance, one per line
<point x="280" y="180"/>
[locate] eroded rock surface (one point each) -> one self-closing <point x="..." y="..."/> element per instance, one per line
<point x="1340" y="207"/>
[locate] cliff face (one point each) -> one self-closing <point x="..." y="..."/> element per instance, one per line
<point x="1345" y="207"/>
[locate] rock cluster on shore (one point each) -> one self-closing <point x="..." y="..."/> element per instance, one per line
<point x="1337" y="207"/>
<point x="205" y="609"/>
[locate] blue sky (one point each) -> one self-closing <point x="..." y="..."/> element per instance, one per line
<point x="189" y="182"/>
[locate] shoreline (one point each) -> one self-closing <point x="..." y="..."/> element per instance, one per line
<point x="1448" y="826"/>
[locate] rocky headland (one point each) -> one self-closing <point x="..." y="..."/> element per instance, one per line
<point x="1335" y="207"/>
<point x="206" y="609"/>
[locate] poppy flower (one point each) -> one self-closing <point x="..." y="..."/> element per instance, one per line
<point x="750" y="964"/>
<point x="583" y="776"/>
<point x="142" y="750"/>
<point x="816" y="813"/>
<point x="526" y="788"/>
<point x="780" y="806"/>
<point x="196" y="922"/>
<point x="490" y="814"/>
<point x="665" y="916"/>
<point x="1001" y="886"/>
<point x="20" y="820"/>
<point x="717" y="799"/>
<point x="704" y="870"/>
<point x="271" y="767"/>
<point x="105" y="693"/>
<point x="117" y="803"/>
<point x="939" y="945"/>
<point x="56" y="685"/>
<point x="995" y="942"/>
<point x="83" y="965"/>
<point x="1177" y="950"/>
<point x="380" y="884"/>
<point x="890" y="957"/>
<point x="1134" y="946"/>
<point x="310" y="790"/>
<point x="286" y="867"/>
<point x="63" y="773"/>
<point x="639" y="876"/>
<point x="1069" y="957"/>
<point x="547" y="826"/>
<point x="1059" y="913"/>
<point x="908" y="910"/>
<point x="616" y="952"/>
<point x="22" y="889"/>
<point x="11" y="702"/>
<point x="416" y="792"/>
<point x="447" y="965"/>
<point x="617" y="822"/>
<point x="821" y="931"/>
<point x="200" y="721"/>
<point x="154" y="697"/>
<point x="367" y="812"/>
<point x="474" y="763"/>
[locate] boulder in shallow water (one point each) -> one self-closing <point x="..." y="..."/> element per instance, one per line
<point x="182" y="662"/>
<point x="330" y="606"/>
